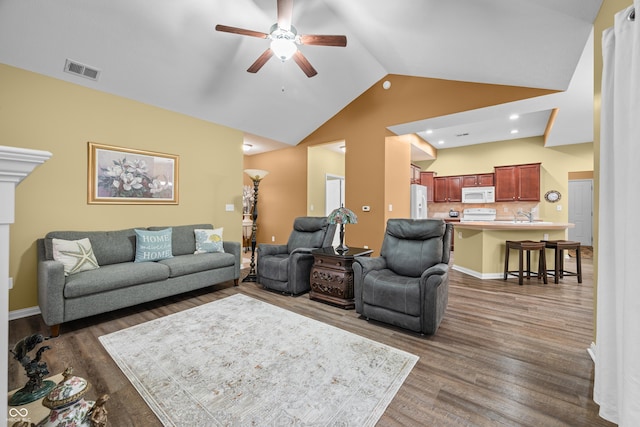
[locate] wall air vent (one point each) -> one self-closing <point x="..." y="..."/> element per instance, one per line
<point x="82" y="70"/>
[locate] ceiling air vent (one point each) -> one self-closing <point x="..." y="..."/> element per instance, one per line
<point x="82" y="70"/>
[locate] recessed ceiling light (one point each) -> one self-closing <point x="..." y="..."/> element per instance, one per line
<point x="441" y="142"/>
<point x="246" y="147"/>
<point x="514" y="130"/>
<point x="513" y="117"/>
<point x="429" y="131"/>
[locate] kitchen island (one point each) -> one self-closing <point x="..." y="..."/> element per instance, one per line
<point x="480" y="245"/>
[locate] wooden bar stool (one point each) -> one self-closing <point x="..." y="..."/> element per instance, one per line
<point x="527" y="246"/>
<point x="559" y="247"/>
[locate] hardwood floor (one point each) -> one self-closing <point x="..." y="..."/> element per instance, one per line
<point x="504" y="354"/>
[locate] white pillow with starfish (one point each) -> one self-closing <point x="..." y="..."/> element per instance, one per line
<point x="75" y="255"/>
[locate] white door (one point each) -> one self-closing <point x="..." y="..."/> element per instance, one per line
<point x="334" y="198"/>
<point x="581" y="211"/>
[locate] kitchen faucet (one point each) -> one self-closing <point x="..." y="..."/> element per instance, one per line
<point x="529" y="214"/>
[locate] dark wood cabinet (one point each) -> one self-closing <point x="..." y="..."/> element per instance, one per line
<point x="332" y="275"/>
<point x="426" y="179"/>
<point x="415" y="174"/>
<point x="478" y="180"/>
<point x="518" y="183"/>
<point x="447" y="189"/>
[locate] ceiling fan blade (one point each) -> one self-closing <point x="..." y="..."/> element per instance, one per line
<point x="318" y="40"/>
<point x="304" y="64"/>
<point x="255" y="67"/>
<point x="285" y="11"/>
<point x="241" y="31"/>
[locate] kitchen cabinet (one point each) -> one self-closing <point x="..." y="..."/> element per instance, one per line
<point x="415" y="174"/>
<point x="447" y="189"/>
<point x="426" y="179"/>
<point x="478" y="180"/>
<point x="516" y="183"/>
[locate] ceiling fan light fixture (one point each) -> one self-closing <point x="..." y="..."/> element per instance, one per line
<point x="283" y="48"/>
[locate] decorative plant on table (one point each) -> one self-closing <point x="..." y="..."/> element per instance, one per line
<point x="247" y="199"/>
<point x="131" y="178"/>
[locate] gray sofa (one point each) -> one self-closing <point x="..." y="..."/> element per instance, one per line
<point x="119" y="281"/>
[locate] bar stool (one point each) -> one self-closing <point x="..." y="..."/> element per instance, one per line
<point x="525" y="246"/>
<point x="559" y="247"/>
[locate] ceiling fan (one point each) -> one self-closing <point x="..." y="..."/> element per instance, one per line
<point x="284" y="40"/>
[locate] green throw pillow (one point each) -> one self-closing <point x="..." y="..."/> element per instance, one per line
<point x="208" y="240"/>
<point x="153" y="245"/>
<point x="75" y="255"/>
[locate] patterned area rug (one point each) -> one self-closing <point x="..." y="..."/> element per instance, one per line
<point x="242" y="362"/>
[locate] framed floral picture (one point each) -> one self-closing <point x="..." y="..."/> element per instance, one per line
<point x="128" y="176"/>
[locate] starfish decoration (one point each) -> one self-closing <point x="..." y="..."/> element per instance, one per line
<point x="83" y="256"/>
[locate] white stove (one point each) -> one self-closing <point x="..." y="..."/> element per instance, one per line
<point x="478" y="214"/>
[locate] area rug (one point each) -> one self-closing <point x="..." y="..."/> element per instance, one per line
<point x="239" y="361"/>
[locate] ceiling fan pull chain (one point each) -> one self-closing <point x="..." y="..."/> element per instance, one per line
<point x="282" y="75"/>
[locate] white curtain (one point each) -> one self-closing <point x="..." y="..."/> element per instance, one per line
<point x="617" y="356"/>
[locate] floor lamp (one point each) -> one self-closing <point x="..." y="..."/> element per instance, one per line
<point x="256" y="176"/>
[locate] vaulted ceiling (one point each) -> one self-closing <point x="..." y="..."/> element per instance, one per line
<point x="167" y="53"/>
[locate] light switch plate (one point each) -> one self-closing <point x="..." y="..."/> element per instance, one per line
<point x="229" y="207"/>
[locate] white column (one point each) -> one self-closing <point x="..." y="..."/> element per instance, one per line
<point x="15" y="165"/>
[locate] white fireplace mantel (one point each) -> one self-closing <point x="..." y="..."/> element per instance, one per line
<point x="15" y="165"/>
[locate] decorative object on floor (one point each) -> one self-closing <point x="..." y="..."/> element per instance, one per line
<point x="247" y="203"/>
<point x="240" y="361"/>
<point x="342" y="216"/>
<point x="36" y="387"/>
<point x="128" y="176"/>
<point x="68" y="406"/>
<point x="256" y="176"/>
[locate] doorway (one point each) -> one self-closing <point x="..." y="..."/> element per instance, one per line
<point x="581" y="211"/>
<point x="334" y="198"/>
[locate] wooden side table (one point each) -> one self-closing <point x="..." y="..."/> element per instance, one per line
<point x="332" y="275"/>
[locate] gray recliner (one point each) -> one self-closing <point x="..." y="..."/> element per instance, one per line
<point x="408" y="284"/>
<point x="286" y="268"/>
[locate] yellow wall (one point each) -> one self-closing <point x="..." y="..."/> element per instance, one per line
<point x="557" y="163"/>
<point x="282" y="194"/>
<point x="320" y="162"/>
<point x="42" y="113"/>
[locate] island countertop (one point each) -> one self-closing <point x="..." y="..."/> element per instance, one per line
<point x="510" y="225"/>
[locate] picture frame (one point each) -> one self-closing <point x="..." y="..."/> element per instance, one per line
<point x="118" y="175"/>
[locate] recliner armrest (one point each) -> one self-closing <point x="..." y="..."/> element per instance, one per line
<point x="369" y="264"/>
<point x="302" y="251"/>
<point x="438" y="269"/>
<point x="269" y="249"/>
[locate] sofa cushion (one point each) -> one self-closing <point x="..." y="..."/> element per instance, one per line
<point x="153" y="245"/>
<point x="114" y="276"/>
<point x="194" y="263"/>
<point x="384" y="288"/>
<point x="75" y="255"/>
<point x="208" y="240"/>
<point x="109" y="247"/>
<point x="183" y="240"/>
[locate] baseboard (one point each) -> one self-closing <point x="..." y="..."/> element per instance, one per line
<point x="25" y="312"/>
<point x="477" y="274"/>
<point x="592" y="351"/>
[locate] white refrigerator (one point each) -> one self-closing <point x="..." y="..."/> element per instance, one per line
<point x="418" y="201"/>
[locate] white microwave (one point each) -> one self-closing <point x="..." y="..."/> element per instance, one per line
<point x="478" y="194"/>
